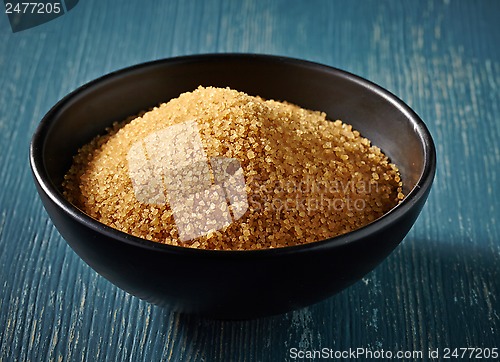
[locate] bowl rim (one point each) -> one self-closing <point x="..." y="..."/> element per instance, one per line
<point x="419" y="191"/>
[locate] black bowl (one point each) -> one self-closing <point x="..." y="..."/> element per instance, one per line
<point x="232" y="284"/>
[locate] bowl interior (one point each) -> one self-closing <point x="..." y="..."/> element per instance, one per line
<point x="377" y="114"/>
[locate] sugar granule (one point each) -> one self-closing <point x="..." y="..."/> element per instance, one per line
<point x="306" y="178"/>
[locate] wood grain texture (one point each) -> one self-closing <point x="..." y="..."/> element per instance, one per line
<point x="440" y="288"/>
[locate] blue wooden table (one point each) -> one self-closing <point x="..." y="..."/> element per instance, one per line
<point x="440" y="289"/>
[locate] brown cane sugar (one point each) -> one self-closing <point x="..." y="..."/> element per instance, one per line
<point x="219" y="169"/>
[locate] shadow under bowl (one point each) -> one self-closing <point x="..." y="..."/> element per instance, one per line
<point x="232" y="284"/>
